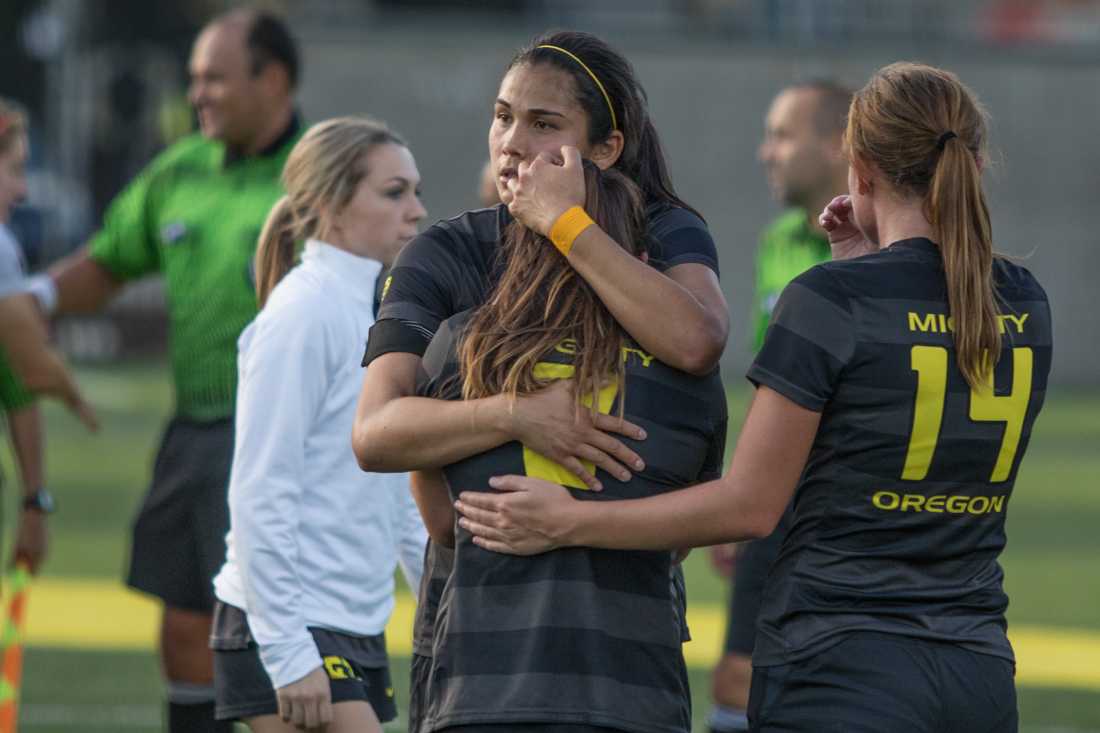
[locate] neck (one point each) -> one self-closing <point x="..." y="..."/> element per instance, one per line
<point x="270" y="132"/>
<point x="900" y="219"/>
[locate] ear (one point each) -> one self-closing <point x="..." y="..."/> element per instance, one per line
<point x="605" y="154"/>
<point x="865" y="175"/>
<point x="275" y="79"/>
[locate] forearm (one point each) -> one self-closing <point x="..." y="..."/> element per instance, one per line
<point x="23" y="336"/>
<point x="664" y="318"/>
<point x="26" y="437"/>
<point x="410" y="433"/>
<point x="707" y="514"/>
<point x="83" y="285"/>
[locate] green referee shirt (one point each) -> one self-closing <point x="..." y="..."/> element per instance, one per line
<point x="194" y="215"/>
<point x="788" y="248"/>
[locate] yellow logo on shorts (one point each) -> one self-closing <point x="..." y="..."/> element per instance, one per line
<point x="339" y="668"/>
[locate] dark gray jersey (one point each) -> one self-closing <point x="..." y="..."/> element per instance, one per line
<point x="899" y="517"/>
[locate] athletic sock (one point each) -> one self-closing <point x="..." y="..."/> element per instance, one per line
<point x="724" y="719"/>
<point x="195" y="719"/>
<point x="191" y="709"/>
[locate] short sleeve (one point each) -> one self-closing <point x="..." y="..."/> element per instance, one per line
<point x="418" y="294"/>
<point x="680" y="238"/>
<point x="126" y="244"/>
<point x="810" y="340"/>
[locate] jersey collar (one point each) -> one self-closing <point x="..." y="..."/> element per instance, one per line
<point x="358" y="273"/>
<point x="919" y="244"/>
<point x="233" y="155"/>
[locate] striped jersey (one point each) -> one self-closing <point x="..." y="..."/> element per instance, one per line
<point x="452" y="267"/>
<point x="194" y="215"/>
<point x="899" y="517"/>
<point x="577" y="635"/>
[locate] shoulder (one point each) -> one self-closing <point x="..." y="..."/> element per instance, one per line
<point x="192" y="150"/>
<point x="832" y="281"/>
<point x="468" y="237"/>
<point x="665" y="218"/>
<point x="1016" y="282"/>
<point x="299" y="309"/>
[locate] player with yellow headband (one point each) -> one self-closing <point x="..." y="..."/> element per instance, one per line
<point x="566" y="97"/>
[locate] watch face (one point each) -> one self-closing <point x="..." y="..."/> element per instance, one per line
<point x="41" y="500"/>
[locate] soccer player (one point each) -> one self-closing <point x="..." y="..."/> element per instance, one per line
<point x="27" y="364"/>
<point x="897" y="391"/>
<point x="18" y="402"/>
<point x="566" y="90"/>
<point x="580" y="640"/>
<point x="803" y="156"/>
<point x="307" y="586"/>
<point x="194" y="216"/>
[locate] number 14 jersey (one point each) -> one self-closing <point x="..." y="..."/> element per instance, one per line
<point x="899" y="517"/>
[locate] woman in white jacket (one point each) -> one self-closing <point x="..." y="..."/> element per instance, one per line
<point x="307" y="585"/>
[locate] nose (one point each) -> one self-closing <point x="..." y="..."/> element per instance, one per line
<point x="513" y="142"/>
<point x="418" y="211"/>
<point x="195" y="92"/>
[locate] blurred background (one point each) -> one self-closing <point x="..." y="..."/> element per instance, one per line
<point x="105" y="83"/>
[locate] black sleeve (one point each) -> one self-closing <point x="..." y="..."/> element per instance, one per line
<point x="809" y="341"/>
<point x="417" y="294"/>
<point x="680" y="237"/>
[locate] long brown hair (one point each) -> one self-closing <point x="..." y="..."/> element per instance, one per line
<point x="926" y="132"/>
<point x="322" y="172"/>
<point x="540" y="304"/>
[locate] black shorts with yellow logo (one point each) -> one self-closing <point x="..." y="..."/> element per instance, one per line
<point x="357" y="667"/>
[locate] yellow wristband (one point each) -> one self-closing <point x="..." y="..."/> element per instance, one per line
<point x="568" y="227"/>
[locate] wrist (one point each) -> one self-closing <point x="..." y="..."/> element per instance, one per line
<point x="39" y="502"/>
<point x="44" y="290"/>
<point x="569" y="225"/>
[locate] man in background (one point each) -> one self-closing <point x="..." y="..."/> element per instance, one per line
<point x="194" y="215"/>
<point x="805" y="165"/>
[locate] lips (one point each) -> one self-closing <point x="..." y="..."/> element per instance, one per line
<point x="507" y="173"/>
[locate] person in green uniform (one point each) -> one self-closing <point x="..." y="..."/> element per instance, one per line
<point x="194" y="216"/>
<point x="805" y="164"/>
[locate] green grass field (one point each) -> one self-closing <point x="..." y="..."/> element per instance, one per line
<point x="1051" y="565"/>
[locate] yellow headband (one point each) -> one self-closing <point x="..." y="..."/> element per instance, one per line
<point x="614" y="123"/>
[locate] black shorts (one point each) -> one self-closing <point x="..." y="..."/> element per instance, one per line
<point x="753" y="565"/>
<point x="179" y="534"/>
<point x="885" y="683"/>
<point x="357" y="668"/>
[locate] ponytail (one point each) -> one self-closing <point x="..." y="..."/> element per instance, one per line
<point x="960" y="220"/>
<point x="925" y="131"/>
<point x="275" y="251"/>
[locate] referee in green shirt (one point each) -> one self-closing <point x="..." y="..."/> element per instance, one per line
<point x="193" y="216"/>
<point x="803" y="157"/>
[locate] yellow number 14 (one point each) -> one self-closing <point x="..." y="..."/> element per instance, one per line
<point x="930" y="364"/>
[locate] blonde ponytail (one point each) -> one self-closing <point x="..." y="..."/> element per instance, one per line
<point x="960" y="220"/>
<point x="275" y="250"/>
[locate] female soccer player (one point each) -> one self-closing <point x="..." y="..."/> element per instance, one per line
<point x="581" y="639"/>
<point x="565" y="96"/>
<point x="29" y="363"/>
<point x="897" y="391"/>
<point x="307" y="585"/>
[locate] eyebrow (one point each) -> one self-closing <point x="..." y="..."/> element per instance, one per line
<point x="398" y="179"/>
<point x="537" y="111"/>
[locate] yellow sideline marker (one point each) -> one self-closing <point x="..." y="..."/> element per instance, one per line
<point x="91" y="614"/>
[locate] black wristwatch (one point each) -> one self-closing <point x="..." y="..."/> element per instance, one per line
<point x="41" y="501"/>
